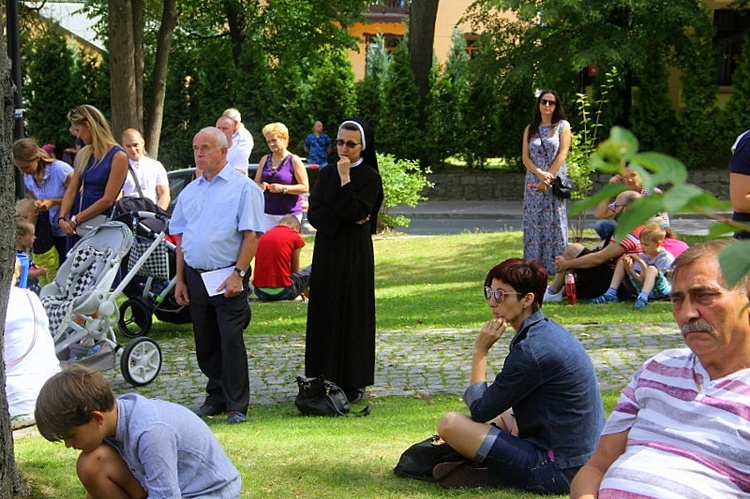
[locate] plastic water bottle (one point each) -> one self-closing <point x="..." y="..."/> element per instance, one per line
<point x="570" y="288"/>
<point x="23" y="279"/>
<point x="305" y="204"/>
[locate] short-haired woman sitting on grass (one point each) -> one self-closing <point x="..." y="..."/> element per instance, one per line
<point x="540" y="419"/>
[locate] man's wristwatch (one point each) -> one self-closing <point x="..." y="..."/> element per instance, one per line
<point x="240" y="271"/>
<point x="73" y="220"/>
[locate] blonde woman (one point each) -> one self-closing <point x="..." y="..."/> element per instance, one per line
<point x="99" y="173"/>
<point x="281" y="175"/>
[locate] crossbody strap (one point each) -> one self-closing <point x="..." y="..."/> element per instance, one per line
<point x="135" y="180"/>
<point x="33" y="338"/>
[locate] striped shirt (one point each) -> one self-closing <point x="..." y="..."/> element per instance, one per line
<point x="689" y="435"/>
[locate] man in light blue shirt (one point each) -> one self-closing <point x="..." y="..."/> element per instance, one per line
<point x="217" y="220"/>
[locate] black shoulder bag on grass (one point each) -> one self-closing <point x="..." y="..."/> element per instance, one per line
<point x="320" y="397"/>
<point x="418" y="460"/>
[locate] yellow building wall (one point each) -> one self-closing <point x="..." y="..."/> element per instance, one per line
<point x="449" y="13"/>
<point x="675" y="86"/>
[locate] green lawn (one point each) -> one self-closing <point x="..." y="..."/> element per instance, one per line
<point x="421" y="283"/>
<point x="282" y="454"/>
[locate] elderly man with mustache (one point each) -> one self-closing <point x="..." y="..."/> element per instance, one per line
<point x="682" y="425"/>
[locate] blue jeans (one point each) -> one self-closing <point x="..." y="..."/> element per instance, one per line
<point x="523" y="466"/>
<point x="605" y="227"/>
<point x="300" y="282"/>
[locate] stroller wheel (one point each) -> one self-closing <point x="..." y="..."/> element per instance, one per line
<point x="141" y="361"/>
<point x="135" y="318"/>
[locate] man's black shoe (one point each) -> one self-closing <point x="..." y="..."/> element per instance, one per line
<point x="210" y="410"/>
<point x="236" y="417"/>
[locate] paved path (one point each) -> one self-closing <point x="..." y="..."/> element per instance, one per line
<point x="408" y="363"/>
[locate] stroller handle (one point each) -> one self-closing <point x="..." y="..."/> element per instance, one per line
<point x="134" y="219"/>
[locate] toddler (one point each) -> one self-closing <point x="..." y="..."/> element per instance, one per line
<point x="646" y="271"/>
<point x="25" y="238"/>
<point x="43" y="251"/>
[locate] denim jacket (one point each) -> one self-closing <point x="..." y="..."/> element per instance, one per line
<point x="549" y="381"/>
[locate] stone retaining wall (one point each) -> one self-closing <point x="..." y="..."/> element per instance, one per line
<point x="503" y="186"/>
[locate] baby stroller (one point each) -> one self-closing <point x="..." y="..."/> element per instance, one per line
<point x="151" y="291"/>
<point x="82" y="309"/>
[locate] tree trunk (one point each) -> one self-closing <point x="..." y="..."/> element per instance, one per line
<point x="237" y="28"/>
<point x="10" y="483"/>
<point x="138" y="28"/>
<point x="159" y="79"/>
<point x="422" y="18"/>
<point x="122" y="69"/>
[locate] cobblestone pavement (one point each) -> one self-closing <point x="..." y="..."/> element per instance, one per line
<point x="407" y="363"/>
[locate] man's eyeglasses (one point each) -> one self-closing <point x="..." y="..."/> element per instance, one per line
<point x="498" y="294"/>
<point x="347" y="143"/>
<point x="548" y="102"/>
<point x="614" y="206"/>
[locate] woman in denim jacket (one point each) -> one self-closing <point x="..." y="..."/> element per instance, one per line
<point x="540" y="420"/>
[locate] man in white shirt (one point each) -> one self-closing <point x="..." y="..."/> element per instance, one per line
<point x="236" y="156"/>
<point x="241" y="137"/>
<point x="143" y="172"/>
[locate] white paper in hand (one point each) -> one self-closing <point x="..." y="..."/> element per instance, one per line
<point x="214" y="278"/>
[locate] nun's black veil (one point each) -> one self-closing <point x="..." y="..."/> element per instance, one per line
<point x="370" y="158"/>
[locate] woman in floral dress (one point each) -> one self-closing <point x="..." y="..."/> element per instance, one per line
<point x="546" y="142"/>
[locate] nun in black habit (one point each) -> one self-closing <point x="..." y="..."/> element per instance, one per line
<point x="344" y="205"/>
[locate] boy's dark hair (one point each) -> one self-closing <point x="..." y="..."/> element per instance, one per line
<point x="68" y="398"/>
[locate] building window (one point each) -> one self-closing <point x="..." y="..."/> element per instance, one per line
<point x="472" y="44"/>
<point x="390" y="41"/>
<point x="731" y="26"/>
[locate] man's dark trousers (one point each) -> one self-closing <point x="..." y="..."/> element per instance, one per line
<point x="218" y="326"/>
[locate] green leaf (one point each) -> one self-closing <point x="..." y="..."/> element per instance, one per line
<point x="734" y="262"/>
<point x="624" y="137"/>
<point x="620" y="146"/>
<point x="679" y="196"/>
<point x="638" y="214"/>
<point x="706" y="202"/>
<point x="607" y="192"/>
<point x="720" y="229"/>
<point x="666" y="169"/>
<point x="599" y="163"/>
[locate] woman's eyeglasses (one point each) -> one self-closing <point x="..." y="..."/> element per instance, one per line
<point x="548" y="102"/>
<point x="498" y="294"/>
<point x="347" y="143"/>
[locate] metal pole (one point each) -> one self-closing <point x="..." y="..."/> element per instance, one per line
<point x="14" y="53"/>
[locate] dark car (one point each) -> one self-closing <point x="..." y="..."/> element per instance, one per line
<point x="178" y="179"/>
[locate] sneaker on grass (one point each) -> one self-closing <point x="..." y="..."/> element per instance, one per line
<point x="640" y="304"/>
<point x="551" y="296"/>
<point x="605" y="298"/>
